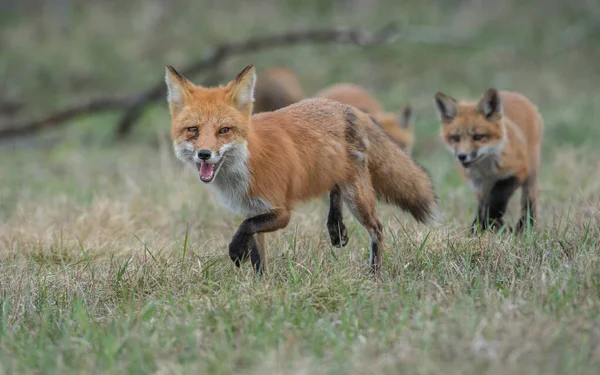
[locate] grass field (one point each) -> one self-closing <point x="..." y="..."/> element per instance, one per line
<point x="113" y="258"/>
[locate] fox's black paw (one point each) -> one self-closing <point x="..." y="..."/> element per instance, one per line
<point x="239" y="250"/>
<point x="338" y="235"/>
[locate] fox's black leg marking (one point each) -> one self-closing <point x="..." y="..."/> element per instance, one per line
<point x="243" y="242"/>
<point x="527" y="217"/>
<point x="335" y="222"/>
<point x="478" y="223"/>
<point x="497" y="202"/>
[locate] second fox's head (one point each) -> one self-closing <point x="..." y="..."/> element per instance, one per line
<point x="209" y="126"/>
<point x="472" y="131"/>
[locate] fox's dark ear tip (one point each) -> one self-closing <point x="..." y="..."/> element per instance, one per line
<point x="172" y="70"/>
<point x="243" y="73"/>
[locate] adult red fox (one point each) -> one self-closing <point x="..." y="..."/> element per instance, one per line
<point x="262" y="165"/>
<point x="397" y="125"/>
<point x="497" y="144"/>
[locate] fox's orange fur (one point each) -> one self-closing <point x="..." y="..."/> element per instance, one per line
<point x="277" y="87"/>
<point x="263" y="165"/>
<point x="397" y="125"/>
<point x="497" y="142"/>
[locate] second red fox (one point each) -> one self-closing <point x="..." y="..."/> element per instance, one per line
<point x="261" y="166"/>
<point x="497" y="144"/>
<point x="397" y="125"/>
<point x="278" y="87"/>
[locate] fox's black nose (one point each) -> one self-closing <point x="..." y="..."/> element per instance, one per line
<point x="462" y="157"/>
<point x="204" y="154"/>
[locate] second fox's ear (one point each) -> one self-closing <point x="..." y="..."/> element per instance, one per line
<point x="490" y="105"/>
<point x="242" y="89"/>
<point x="446" y="106"/>
<point x="405" y="117"/>
<point x="177" y="88"/>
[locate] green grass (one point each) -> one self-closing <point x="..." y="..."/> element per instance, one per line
<point x="113" y="258"/>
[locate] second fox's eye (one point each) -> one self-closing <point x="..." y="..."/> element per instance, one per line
<point x="478" y="137"/>
<point x="193" y="130"/>
<point x="454" y="138"/>
<point x="223" y="130"/>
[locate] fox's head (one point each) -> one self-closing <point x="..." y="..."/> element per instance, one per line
<point x="209" y="126"/>
<point x="398" y="125"/>
<point x="472" y="131"/>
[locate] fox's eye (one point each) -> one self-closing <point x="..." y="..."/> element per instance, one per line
<point x="454" y="138"/>
<point x="223" y="130"/>
<point x="478" y="137"/>
<point x="193" y="130"/>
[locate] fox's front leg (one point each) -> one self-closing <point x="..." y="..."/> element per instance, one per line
<point x="478" y="222"/>
<point x="492" y="210"/>
<point x="335" y="221"/>
<point x="244" y="243"/>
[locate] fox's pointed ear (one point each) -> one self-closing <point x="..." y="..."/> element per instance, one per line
<point x="177" y="88"/>
<point x="446" y="106"/>
<point x="405" y="117"/>
<point x="242" y="89"/>
<point x="490" y="105"/>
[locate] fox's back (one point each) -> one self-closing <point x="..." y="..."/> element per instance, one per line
<point x="308" y="141"/>
<point x="524" y="114"/>
<point x="313" y="126"/>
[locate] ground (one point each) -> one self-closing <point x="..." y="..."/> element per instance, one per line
<point x="113" y="257"/>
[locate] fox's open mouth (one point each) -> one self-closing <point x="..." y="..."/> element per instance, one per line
<point x="208" y="171"/>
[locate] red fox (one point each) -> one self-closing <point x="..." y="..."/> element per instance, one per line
<point x="497" y="144"/>
<point x="396" y="125"/>
<point x="262" y="165"/>
<point x="276" y="87"/>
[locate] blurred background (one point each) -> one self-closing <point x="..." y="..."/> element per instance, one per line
<point x="58" y="53"/>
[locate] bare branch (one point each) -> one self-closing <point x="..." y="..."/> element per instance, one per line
<point x="220" y="53"/>
<point x="134" y="104"/>
<point x="58" y="118"/>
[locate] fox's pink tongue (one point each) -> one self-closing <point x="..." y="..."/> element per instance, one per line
<point x="206" y="170"/>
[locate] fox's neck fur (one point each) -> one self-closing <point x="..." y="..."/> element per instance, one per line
<point x="489" y="169"/>
<point x="233" y="182"/>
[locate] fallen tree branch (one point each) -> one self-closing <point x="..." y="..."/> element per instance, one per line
<point x="62" y="116"/>
<point x="133" y="105"/>
<point x="218" y="54"/>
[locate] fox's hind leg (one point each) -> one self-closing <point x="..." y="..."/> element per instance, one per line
<point x="335" y="221"/>
<point x="359" y="195"/>
<point x="528" y="203"/>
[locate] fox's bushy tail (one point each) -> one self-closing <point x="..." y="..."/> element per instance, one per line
<point x="398" y="179"/>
